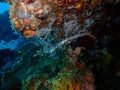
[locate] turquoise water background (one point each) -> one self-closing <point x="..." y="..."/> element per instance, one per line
<point x="4" y="7"/>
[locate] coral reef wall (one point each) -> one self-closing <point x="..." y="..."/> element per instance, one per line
<point x="68" y="45"/>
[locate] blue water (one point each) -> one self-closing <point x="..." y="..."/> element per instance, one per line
<point x="10" y="40"/>
<point x="4" y="7"/>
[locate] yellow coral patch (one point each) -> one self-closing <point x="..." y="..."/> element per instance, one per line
<point x="78" y="6"/>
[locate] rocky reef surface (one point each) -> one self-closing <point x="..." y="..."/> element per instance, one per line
<point x="69" y="46"/>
